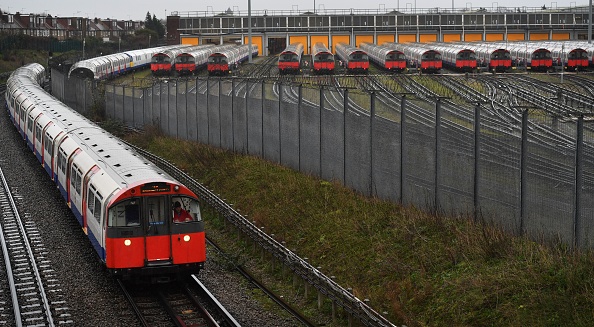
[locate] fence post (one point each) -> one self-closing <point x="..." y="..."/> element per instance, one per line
<point x="280" y="130"/>
<point x="477" y="139"/>
<point x="437" y="155"/>
<point x="402" y="156"/>
<point x="371" y="130"/>
<point x="345" y="110"/>
<point x="579" y="175"/>
<point x="247" y="122"/>
<point x="262" y="119"/>
<point x="321" y="130"/>
<point x="219" y="119"/>
<point x="208" y="110"/>
<point x="299" y="104"/>
<point x="233" y="114"/>
<point x="523" y="170"/>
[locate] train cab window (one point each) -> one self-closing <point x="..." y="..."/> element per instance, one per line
<point x="155" y="206"/>
<point x="185" y="209"/>
<point x="125" y="213"/>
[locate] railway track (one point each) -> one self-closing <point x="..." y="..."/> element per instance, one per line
<point x="180" y="304"/>
<point x="29" y="275"/>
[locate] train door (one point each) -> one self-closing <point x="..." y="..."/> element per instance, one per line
<point x="158" y="239"/>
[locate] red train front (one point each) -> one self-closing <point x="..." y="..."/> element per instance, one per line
<point x="218" y="64"/>
<point x="289" y="61"/>
<point x="161" y="64"/>
<point x="144" y="238"/>
<point x="577" y="59"/>
<point x="465" y="60"/>
<point x="500" y="60"/>
<point x="431" y="61"/>
<point x="395" y="61"/>
<point x="323" y="59"/>
<point x="541" y="60"/>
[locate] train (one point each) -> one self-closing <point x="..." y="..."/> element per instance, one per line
<point x="322" y="59"/>
<point x="421" y="56"/>
<point x="163" y="62"/>
<point x="226" y="61"/>
<point x="570" y="56"/>
<point x="530" y="55"/>
<point x="457" y="57"/>
<point x="490" y="56"/>
<point x="110" y="66"/>
<point x="289" y="61"/>
<point x="353" y="59"/>
<point x="387" y="58"/>
<point x="123" y="203"/>
<point x="190" y="62"/>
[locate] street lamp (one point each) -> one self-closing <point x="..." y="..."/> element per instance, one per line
<point x="149" y="45"/>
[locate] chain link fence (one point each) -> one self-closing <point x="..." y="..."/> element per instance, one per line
<point x="521" y="169"/>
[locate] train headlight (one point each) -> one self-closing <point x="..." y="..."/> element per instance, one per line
<point x="187" y="238"/>
<point x="127" y="242"/>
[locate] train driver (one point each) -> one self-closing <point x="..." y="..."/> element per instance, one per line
<point x="179" y="214"/>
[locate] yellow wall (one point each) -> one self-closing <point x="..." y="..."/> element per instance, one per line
<point x="515" y="37"/>
<point x="539" y="36"/>
<point x="189" y="40"/>
<point x="299" y="39"/>
<point x="317" y="38"/>
<point x="339" y="38"/>
<point x="560" y="36"/>
<point x="473" y="37"/>
<point x="407" y="38"/>
<point x="257" y="40"/>
<point x="381" y="39"/>
<point x="427" y="38"/>
<point x="451" y="37"/>
<point x="363" y="38"/>
<point x="494" y="37"/>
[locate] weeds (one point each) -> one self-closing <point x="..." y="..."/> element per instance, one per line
<point x="422" y="269"/>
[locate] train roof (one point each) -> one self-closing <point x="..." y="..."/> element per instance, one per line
<point x="116" y="158"/>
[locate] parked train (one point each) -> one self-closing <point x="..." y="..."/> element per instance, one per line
<point x="488" y="55"/>
<point x="225" y="61"/>
<point x="456" y="57"/>
<point x="289" y="61"/>
<point x="322" y="59"/>
<point x="385" y="57"/>
<point x="530" y="55"/>
<point x="570" y="55"/>
<point x="190" y="62"/>
<point x="421" y="56"/>
<point x="124" y="204"/>
<point x="163" y="62"/>
<point x="353" y="59"/>
<point x="110" y="66"/>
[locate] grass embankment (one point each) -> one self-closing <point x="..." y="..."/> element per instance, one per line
<point x="422" y="269"/>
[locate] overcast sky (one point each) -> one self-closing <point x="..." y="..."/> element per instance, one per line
<point x="137" y="10"/>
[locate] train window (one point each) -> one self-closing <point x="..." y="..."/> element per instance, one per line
<point x="62" y="162"/>
<point x="97" y="210"/>
<point x="189" y="205"/>
<point x="156" y="210"/>
<point x="37" y="132"/>
<point x="125" y="213"/>
<point x="91" y="201"/>
<point x="75" y="178"/>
